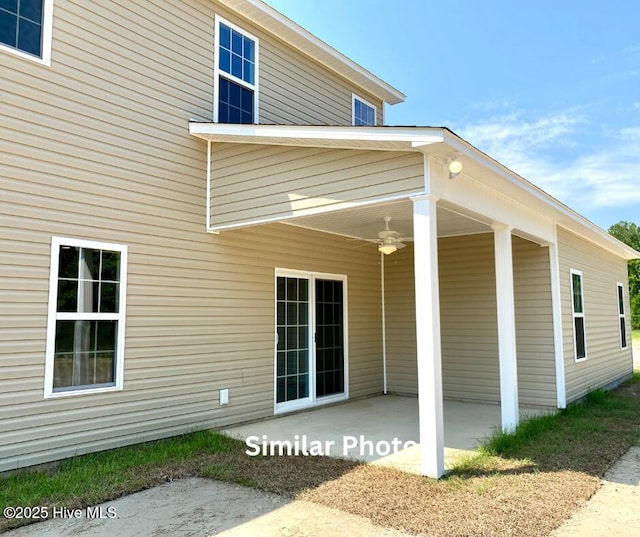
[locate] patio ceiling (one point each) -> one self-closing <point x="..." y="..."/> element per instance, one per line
<point x="366" y="221"/>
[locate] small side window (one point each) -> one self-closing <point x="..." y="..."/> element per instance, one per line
<point x="85" y="335"/>
<point x="577" y="307"/>
<point x="622" y="318"/>
<point x="363" y="112"/>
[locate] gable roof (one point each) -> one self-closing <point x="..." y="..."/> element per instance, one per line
<point x="283" y="28"/>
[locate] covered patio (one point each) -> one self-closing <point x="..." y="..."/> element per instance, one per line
<point x="470" y="309"/>
<point x="365" y="429"/>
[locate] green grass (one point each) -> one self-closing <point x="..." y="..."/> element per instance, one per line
<point x="98" y="477"/>
<point x="635" y="335"/>
<point x="586" y="437"/>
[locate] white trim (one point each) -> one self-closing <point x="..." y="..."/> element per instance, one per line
<point x="354" y="98"/>
<point x="255" y="87"/>
<point x="622" y="316"/>
<point x="558" y="339"/>
<point x="505" y="306"/>
<point x="311" y="401"/>
<point x="425" y="136"/>
<point x="428" y="345"/>
<point x="53" y="316"/>
<point x="580" y="314"/>
<point x="46" y="37"/>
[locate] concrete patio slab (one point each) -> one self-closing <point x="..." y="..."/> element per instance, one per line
<point x="379" y="430"/>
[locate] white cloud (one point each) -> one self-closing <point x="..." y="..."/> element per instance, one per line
<point x="552" y="152"/>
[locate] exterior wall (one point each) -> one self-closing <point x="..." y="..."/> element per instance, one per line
<point x="97" y="147"/>
<point x="467" y="320"/>
<point x="200" y="317"/>
<point x="255" y="182"/>
<point x="534" y="324"/>
<point x="601" y="271"/>
<point x="470" y="366"/>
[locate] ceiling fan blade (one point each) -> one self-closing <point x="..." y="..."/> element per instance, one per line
<point x="388" y="234"/>
<point x="399" y="245"/>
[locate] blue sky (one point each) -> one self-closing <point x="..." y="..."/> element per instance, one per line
<point x="550" y="89"/>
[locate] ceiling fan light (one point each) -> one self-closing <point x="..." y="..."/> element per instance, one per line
<point x="387" y="249"/>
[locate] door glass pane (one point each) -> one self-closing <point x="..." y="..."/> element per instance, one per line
<point x="292" y="318"/>
<point x="330" y="336"/>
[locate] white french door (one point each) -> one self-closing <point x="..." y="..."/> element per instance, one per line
<point x="310" y="350"/>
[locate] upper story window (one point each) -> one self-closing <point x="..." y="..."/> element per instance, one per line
<point x="25" y="28"/>
<point x="236" y="74"/>
<point x="363" y="112"/>
<point x="85" y="335"/>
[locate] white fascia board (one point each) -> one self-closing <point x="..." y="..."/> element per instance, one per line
<point x="417" y="137"/>
<point x="566" y="216"/>
<point x="285" y="29"/>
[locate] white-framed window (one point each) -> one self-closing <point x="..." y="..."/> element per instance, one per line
<point x="577" y="309"/>
<point x="622" y="317"/>
<point x="85" y="330"/>
<point x="363" y="112"/>
<point x="26" y="28"/>
<point x="236" y="74"/>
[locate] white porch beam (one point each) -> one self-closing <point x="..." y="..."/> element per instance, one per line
<point x="506" y="327"/>
<point x="428" y="350"/>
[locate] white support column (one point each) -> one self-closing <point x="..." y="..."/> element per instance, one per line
<point x="554" y="267"/>
<point x="506" y="328"/>
<point x="428" y="349"/>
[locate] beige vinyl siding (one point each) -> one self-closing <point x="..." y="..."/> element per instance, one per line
<point x="200" y="317"/>
<point x="467" y="316"/>
<point x="470" y="366"/>
<point x="534" y="324"/>
<point x="601" y="271"/>
<point x="257" y="182"/>
<point x="97" y="147"/>
<point x="402" y="369"/>
<point x="294" y="90"/>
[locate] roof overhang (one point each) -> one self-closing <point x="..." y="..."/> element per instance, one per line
<point x="275" y="23"/>
<point x="374" y="138"/>
<point x="437" y="142"/>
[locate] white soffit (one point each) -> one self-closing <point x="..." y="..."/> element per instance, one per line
<point x="283" y="28"/>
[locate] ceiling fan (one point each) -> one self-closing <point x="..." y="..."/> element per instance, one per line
<point x="389" y="241"/>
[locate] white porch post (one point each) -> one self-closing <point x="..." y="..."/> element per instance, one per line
<point x="428" y="349"/>
<point x="554" y="264"/>
<point x="506" y="327"/>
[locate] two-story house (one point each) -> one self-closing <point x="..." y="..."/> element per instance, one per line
<point x="181" y="185"/>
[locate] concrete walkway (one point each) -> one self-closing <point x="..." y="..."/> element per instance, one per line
<point x="615" y="509"/>
<point x="202" y="507"/>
